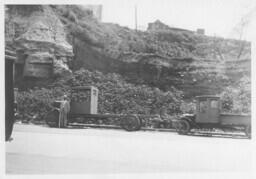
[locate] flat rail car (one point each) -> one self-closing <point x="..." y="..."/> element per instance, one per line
<point x="84" y="108"/>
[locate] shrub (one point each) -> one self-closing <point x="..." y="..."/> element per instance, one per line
<point x="237" y="99"/>
<point x="72" y="17"/>
<point x="35" y="103"/>
<point x="188" y="107"/>
<point x="115" y="95"/>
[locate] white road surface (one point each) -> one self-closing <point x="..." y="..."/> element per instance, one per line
<point x="43" y="150"/>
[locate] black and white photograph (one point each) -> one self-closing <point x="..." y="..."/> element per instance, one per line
<point x="135" y="89"/>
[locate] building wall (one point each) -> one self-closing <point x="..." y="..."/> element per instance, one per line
<point x="160" y="26"/>
<point x="96" y="10"/>
<point x="200" y="31"/>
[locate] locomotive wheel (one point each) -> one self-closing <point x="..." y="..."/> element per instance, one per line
<point x="248" y="131"/>
<point x="183" y="127"/>
<point x="131" y="123"/>
<point x="52" y="118"/>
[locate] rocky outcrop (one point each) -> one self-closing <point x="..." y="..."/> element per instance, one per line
<point x="38" y="64"/>
<point x="39" y="37"/>
<point x="163" y="56"/>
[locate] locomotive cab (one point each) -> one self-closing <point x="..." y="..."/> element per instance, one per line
<point x="208" y="109"/>
<point x="84" y="100"/>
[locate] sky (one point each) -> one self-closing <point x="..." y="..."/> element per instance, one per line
<point x="217" y="17"/>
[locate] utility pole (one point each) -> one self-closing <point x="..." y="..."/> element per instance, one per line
<point x="136" y="17"/>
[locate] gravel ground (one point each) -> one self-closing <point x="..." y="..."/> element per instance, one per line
<point x="43" y="150"/>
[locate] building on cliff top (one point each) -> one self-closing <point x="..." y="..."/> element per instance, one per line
<point x="96" y="11"/>
<point x="200" y="31"/>
<point x="160" y="26"/>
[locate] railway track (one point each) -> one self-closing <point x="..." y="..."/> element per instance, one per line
<point x="235" y="135"/>
<point x="193" y="132"/>
<point x="208" y="116"/>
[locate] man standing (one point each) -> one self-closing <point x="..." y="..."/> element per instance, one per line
<point x="165" y="117"/>
<point x="64" y="110"/>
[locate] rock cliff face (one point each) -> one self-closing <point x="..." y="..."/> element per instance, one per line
<point x="195" y="64"/>
<point x="39" y="37"/>
<point x="163" y="57"/>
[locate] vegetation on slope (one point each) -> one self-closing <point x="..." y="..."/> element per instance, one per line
<point x="109" y="47"/>
<point x="237" y="99"/>
<point x="115" y="95"/>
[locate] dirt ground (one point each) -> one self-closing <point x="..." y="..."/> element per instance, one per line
<point x="43" y="150"/>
